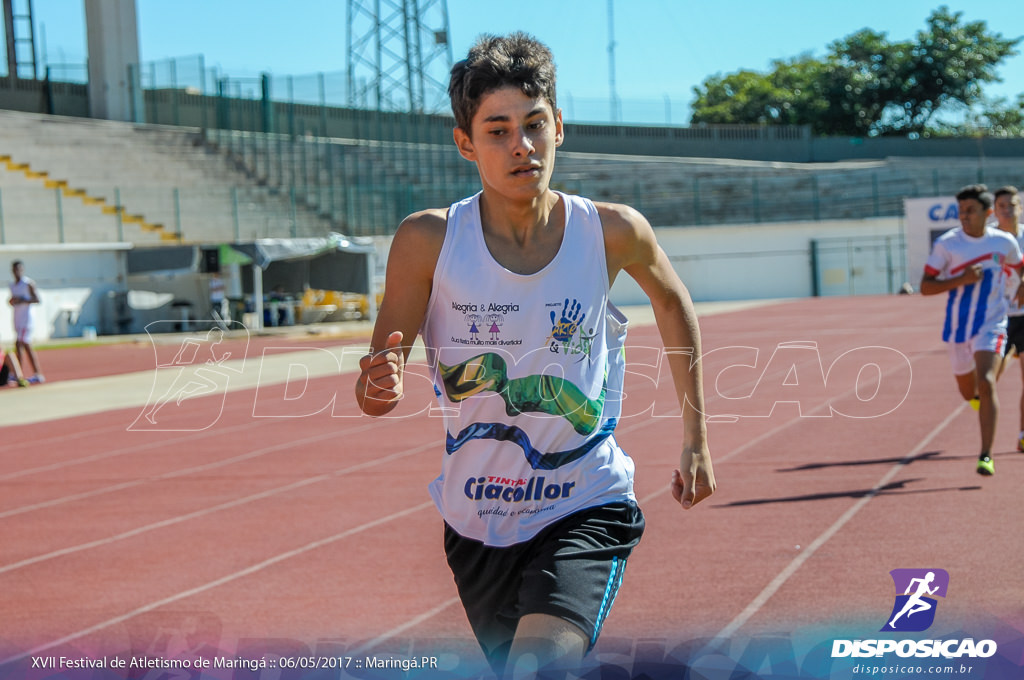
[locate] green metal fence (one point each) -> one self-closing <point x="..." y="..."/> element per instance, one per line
<point x="363" y="187"/>
<point x="868" y="265"/>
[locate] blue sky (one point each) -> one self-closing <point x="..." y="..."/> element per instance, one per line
<point x="663" y="47"/>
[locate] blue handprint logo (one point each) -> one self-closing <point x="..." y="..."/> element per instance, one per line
<point x="564" y="328"/>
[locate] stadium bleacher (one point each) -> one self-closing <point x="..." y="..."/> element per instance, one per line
<point x="63" y="179"/>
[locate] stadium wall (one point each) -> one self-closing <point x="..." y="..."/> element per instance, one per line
<point x="770" y="261"/>
<point x="761" y="261"/>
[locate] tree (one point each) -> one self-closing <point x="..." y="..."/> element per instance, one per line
<point x="992" y="118"/>
<point x="866" y="67"/>
<point x="1003" y="119"/>
<point x="866" y="84"/>
<point x="794" y="92"/>
<point x="948" y="65"/>
<point x="747" y="96"/>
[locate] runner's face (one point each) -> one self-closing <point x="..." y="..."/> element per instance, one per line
<point x="973" y="216"/>
<point x="513" y="142"/>
<point x="1008" y="211"/>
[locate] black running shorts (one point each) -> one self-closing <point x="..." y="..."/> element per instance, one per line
<point x="572" y="570"/>
<point x="1015" y="335"/>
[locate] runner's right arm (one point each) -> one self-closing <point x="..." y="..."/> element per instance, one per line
<point x="409" y="281"/>
<point x="930" y="285"/>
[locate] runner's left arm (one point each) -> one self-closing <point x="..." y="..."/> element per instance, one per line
<point x="631" y="246"/>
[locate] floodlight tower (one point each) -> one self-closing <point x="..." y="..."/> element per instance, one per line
<point x="20" y="36"/>
<point x="399" y="54"/>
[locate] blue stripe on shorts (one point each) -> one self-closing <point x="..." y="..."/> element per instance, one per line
<point x="610" y="591"/>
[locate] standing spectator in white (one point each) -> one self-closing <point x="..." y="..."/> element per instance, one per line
<point x="23" y="296"/>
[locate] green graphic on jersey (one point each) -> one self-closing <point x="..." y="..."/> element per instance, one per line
<point x="534" y="393"/>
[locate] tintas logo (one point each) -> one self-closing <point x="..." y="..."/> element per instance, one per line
<point x="916" y="590"/>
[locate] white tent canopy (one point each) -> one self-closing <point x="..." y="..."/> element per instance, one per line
<point x="332" y="262"/>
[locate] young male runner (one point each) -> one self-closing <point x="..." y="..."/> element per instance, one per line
<point x="970" y="262"/>
<point x="536" y="495"/>
<point x="1007" y="208"/>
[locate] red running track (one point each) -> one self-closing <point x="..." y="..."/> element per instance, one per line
<point x="841" y="447"/>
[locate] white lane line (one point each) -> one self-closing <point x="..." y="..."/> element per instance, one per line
<point x="210" y="510"/>
<point x="174" y="473"/>
<point x="790" y="569"/>
<point x="135" y="448"/>
<point x="398" y="630"/>
<point x="764" y="435"/>
<point x="248" y="571"/>
<point x="46" y="442"/>
<point x="731" y="454"/>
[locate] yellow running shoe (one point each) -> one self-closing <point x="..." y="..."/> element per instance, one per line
<point x="975" y="403"/>
<point x="986" y="466"/>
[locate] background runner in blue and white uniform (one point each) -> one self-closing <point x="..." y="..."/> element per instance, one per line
<point x="976" y="312"/>
<point x="971" y="264"/>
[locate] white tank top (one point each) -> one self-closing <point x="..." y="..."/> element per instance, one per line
<point x="22" y="312"/>
<point x="528" y="373"/>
